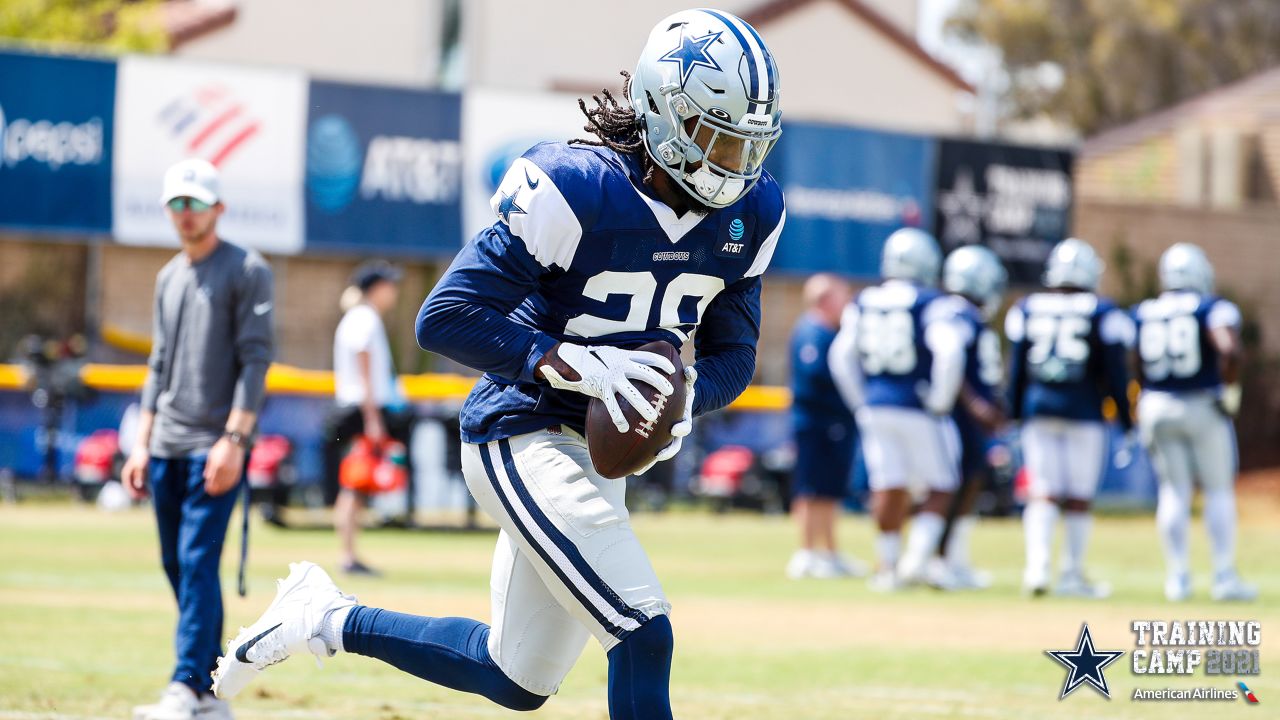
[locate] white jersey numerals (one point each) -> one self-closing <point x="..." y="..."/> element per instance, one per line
<point x="1170" y="347"/>
<point x="643" y="288"/>
<point x="1059" y="346"/>
<point x="990" y="365"/>
<point x="886" y="342"/>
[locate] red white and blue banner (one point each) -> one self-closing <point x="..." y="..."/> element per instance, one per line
<point x="249" y="122"/>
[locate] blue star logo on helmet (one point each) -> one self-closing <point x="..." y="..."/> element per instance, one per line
<point x="736" y="229"/>
<point x="691" y="53"/>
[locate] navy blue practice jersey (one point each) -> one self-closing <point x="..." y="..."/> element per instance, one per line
<point x="1174" y="346"/>
<point x="583" y="252"/>
<point x="896" y="363"/>
<point x="983" y="366"/>
<point x="1069" y="352"/>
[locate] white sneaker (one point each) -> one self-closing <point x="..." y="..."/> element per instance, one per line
<point x="1077" y="585"/>
<point x="846" y="566"/>
<point x="1177" y="588"/>
<point x="966" y="577"/>
<point x="178" y="702"/>
<point x="211" y="708"/>
<point x="291" y="624"/>
<point x="1232" y="589"/>
<point x="800" y="565"/>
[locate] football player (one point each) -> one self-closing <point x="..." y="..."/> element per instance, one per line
<point x="663" y="223"/>
<point x="1069" y="353"/>
<point x="975" y="274"/>
<point x="898" y="361"/>
<point x="1190" y="357"/>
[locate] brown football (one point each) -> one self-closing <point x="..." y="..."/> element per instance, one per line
<point x="616" y="454"/>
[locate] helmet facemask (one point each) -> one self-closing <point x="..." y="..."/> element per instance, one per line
<point x="717" y="161"/>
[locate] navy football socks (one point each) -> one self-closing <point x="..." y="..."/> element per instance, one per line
<point x="452" y="652"/>
<point x="640" y="673"/>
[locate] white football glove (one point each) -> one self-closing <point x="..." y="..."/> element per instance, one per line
<point x="605" y="372"/>
<point x="680" y="429"/>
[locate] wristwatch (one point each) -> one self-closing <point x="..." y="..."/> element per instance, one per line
<point x="237" y="438"/>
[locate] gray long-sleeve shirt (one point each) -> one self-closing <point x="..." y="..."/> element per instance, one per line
<point x="211" y="347"/>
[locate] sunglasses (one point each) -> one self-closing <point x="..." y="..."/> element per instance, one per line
<point x="179" y="204"/>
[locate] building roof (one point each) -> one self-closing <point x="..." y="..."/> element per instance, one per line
<point x="186" y="20"/>
<point x="1257" y="94"/>
<point x="775" y="9"/>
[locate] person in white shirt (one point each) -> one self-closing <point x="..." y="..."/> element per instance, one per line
<point x="368" y="397"/>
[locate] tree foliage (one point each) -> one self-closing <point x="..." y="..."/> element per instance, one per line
<point x="112" y="25"/>
<point x="1119" y="59"/>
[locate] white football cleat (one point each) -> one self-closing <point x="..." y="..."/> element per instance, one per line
<point x="1231" y="588"/>
<point x="291" y="624"/>
<point x="1077" y="585"/>
<point x="966" y="577"/>
<point x="1177" y="588"/>
<point x="885" y="581"/>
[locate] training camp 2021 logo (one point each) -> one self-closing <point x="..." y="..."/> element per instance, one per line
<point x="1212" y="648"/>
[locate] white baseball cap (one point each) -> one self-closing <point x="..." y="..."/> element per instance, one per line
<point x="194" y="178"/>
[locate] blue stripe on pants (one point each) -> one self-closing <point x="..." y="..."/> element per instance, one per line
<point x="193" y="527"/>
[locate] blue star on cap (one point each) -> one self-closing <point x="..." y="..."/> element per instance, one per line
<point x="691" y="53"/>
<point x="1085" y="664"/>
<point x="508" y="205"/>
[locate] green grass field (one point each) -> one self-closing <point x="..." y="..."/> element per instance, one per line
<point x="86" y="621"/>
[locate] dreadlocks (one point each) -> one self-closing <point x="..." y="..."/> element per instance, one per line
<point x="615" y="126"/>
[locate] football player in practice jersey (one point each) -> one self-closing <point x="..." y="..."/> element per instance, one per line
<point x="1189" y="363"/>
<point x="661" y="224"/>
<point x="1069" y="353"/>
<point x="898" y="361"/>
<point x="975" y="274"/>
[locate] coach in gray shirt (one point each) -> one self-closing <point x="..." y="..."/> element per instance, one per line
<point x="211" y="347"/>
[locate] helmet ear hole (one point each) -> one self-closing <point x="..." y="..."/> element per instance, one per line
<point x="653" y="106"/>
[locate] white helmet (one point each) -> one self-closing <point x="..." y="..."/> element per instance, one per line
<point x="1184" y="267"/>
<point x="706" y="93"/>
<point x="976" y="273"/>
<point x="1074" y="264"/>
<point x="911" y="254"/>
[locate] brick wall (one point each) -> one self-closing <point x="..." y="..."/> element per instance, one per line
<point x="41" y="290"/>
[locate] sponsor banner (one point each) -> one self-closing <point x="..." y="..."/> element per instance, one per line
<point x="1014" y="199"/>
<point x="250" y="123"/>
<point x="383" y="170"/>
<point x="846" y="190"/>
<point x="501" y="126"/>
<point x="55" y="142"/>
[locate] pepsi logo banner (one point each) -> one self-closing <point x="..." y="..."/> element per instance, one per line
<point x="383" y="170"/>
<point x="250" y="123"/>
<point x="55" y="142"/>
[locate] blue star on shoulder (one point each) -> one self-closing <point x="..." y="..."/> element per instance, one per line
<point x="692" y="53"/>
<point x="1085" y="664"/>
<point x="508" y="205"/>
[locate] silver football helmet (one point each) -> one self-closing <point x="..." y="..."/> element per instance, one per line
<point x="911" y="254"/>
<point x="976" y="273"/>
<point x="1184" y="267"/>
<point x="706" y="93"/>
<point x="1073" y="263"/>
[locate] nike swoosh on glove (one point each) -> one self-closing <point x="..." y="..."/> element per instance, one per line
<point x="604" y="372"/>
<point x="680" y="429"/>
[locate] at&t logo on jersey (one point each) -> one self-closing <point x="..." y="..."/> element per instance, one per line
<point x="736" y="232"/>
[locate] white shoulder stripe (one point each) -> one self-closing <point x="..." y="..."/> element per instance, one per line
<point x="765" y="254"/>
<point x="536" y="211"/>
